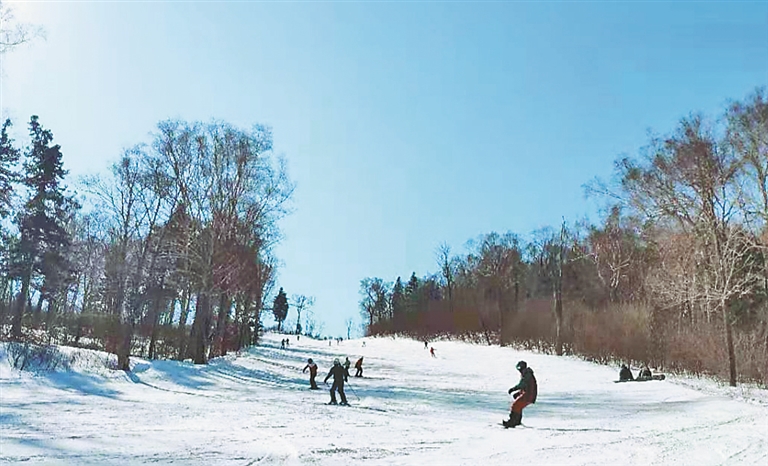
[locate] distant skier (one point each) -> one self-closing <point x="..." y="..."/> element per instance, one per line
<point x="282" y="343"/>
<point x="359" y="367"/>
<point x="432" y="351"/>
<point x="312" y="373"/>
<point x="426" y="343"/>
<point x="526" y="394"/>
<point x="339" y="377"/>
<point x="625" y="375"/>
<point x="347" y="364"/>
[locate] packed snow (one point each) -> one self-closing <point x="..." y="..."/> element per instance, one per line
<point x="255" y="408"/>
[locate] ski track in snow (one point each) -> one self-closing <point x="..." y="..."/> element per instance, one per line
<point x="256" y="409"/>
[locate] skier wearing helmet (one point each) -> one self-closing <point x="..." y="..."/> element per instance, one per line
<point x="525" y="395"/>
<point x="339" y="377"/>
<point x="312" y="373"/>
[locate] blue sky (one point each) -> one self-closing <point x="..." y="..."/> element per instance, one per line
<point x="405" y="124"/>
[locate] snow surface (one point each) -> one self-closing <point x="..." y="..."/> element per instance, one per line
<point x="409" y="409"/>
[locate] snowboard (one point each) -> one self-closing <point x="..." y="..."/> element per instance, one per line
<point x="653" y="377"/>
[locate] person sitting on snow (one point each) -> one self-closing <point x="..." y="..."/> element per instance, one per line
<point x="645" y="374"/>
<point x="526" y="394"/>
<point x="625" y="375"/>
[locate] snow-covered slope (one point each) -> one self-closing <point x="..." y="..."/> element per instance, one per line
<point x="409" y="409"/>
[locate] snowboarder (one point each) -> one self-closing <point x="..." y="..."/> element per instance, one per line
<point x="625" y="374"/>
<point x="312" y="373"/>
<point x="339" y="377"/>
<point x="432" y="351"/>
<point x="359" y="367"/>
<point x="645" y="374"/>
<point x="525" y="395"/>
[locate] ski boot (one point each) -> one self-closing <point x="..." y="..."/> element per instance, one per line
<point x="343" y="403"/>
<point x="332" y="402"/>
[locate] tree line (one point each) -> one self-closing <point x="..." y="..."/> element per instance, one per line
<point x="675" y="274"/>
<point x="169" y="255"/>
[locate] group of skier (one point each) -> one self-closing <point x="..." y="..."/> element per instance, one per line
<point x="524" y="392"/>
<point x="340" y="374"/>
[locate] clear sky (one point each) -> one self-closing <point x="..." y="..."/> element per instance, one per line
<point x="405" y="124"/>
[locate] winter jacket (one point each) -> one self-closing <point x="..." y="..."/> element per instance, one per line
<point x="527" y="385"/>
<point x="312" y="369"/>
<point x="625" y="374"/>
<point x="338" y="372"/>
<point x="359" y="363"/>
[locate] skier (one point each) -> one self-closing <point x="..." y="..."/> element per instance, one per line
<point x="525" y="395"/>
<point x="359" y="367"/>
<point x="432" y="351"/>
<point x="312" y="373"/>
<point x="347" y="364"/>
<point x="625" y="375"/>
<point x="339" y="377"/>
<point x="282" y="343"/>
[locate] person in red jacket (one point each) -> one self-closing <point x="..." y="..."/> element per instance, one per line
<point x="312" y="373"/>
<point x="359" y="367"/>
<point x="526" y="391"/>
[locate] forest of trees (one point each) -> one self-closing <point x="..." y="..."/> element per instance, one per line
<point x="674" y="275"/>
<point x="170" y="255"/>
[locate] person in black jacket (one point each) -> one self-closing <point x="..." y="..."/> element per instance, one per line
<point x="339" y="377"/>
<point x="526" y="394"/>
<point x="625" y="374"/>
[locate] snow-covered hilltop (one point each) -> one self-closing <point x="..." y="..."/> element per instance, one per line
<point x="409" y="409"/>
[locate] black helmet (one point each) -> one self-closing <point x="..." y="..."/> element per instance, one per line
<point x="521" y="366"/>
<point x="309" y="360"/>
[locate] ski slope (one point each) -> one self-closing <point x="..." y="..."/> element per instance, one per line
<point x="409" y="409"/>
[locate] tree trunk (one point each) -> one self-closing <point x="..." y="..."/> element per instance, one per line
<point x="558" y="296"/>
<point x="729" y="344"/>
<point x="124" y="347"/>
<point x="20" y="307"/>
<point x="155" y="322"/>
<point x="200" y="328"/>
<point x="184" y="313"/>
<point x="217" y="348"/>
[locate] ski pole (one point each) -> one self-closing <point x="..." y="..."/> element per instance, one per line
<point x="353" y="391"/>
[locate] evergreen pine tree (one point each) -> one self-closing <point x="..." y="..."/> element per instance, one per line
<point x="280" y="308"/>
<point x="43" y="241"/>
<point x="8" y="158"/>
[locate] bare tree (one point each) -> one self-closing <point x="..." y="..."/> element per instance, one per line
<point x="688" y="182"/>
<point x="300" y="303"/>
<point x="447" y="269"/>
<point x="349" y="323"/>
<point x="13" y="33"/>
